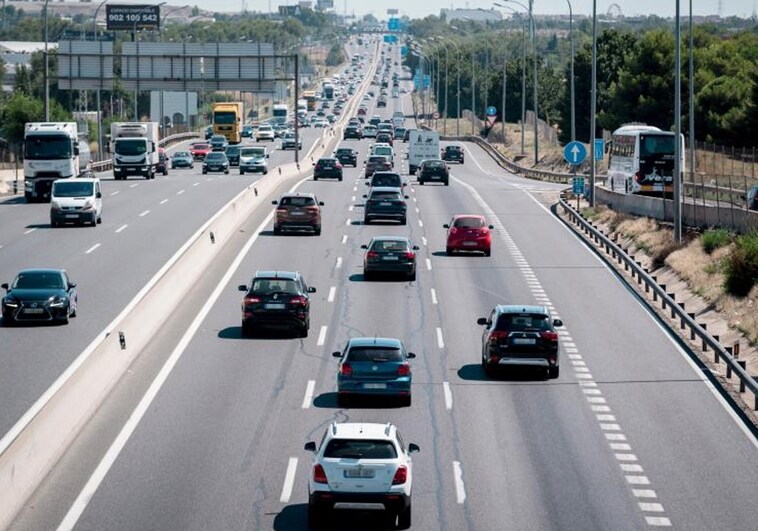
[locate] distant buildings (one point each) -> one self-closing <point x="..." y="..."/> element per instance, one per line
<point x="477" y="15"/>
<point x="17" y="54"/>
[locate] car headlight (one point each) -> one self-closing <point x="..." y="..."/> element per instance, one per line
<point x="54" y="205"/>
<point x="57" y="301"/>
<point x="10" y="303"/>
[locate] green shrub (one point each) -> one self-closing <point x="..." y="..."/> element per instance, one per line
<point x="713" y="239"/>
<point x="742" y="266"/>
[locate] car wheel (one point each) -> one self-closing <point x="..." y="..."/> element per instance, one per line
<point x="342" y="400"/>
<point x="447" y="182"/>
<point x="317" y="231"/>
<point x="205" y="172"/>
<point x="366" y="221"/>
<point x="412" y="276"/>
<point x="226" y="172"/>
<point x="340" y="179"/>
<point x="247" y="330"/>
<point x="242" y="172"/>
<point x="403" y="221"/>
<point x="553" y="372"/>
<point x="368" y="275"/>
<point x="165" y="172"/>
<point x="303" y="331"/>
<point x="265" y="172"/>
<point x="407" y="401"/>
<point x="64" y="319"/>
<point x="315" y="178"/>
<point x="277" y="230"/>
<point x="404" y="518"/>
<point x="421" y="182"/>
<point x="488" y="370"/>
<point x="449" y="251"/>
<point x="487" y="252"/>
<point x="53" y="224"/>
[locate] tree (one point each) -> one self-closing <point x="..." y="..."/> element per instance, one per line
<point x="336" y="55"/>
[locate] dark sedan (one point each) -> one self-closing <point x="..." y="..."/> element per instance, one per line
<point x="233" y="154"/>
<point x="453" y="153"/>
<point x="182" y="159"/>
<point x="277" y="299"/>
<point x="45" y="295"/>
<point x="347" y="156"/>
<point x="377" y="163"/>
<point x="385" y="203"/>
<point x="327" y="168"/>
<point x="389" y="254"/>
<point x="433" y="170"/>
<point x="352" y="131"/>
<point x="216" y="161"/>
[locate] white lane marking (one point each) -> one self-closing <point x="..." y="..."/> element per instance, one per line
<point x="600" y="408"/>
<point x="133" y="185"/>
<point x="429" y="264"/>
<point x="164" y="202"/>
<point x="614" y="436"/>
<point x="97" y="477"/>
<point x="321" y="336"/>
<point x="339" y="263"/>
<point x="352" y="198"/>
<point x="30" y="230"/>
<point x="460" y="489"/>
<point x="434" y="296"/>
<point x="620" y="447"/>
<point x="114" y="193"/>
<point x="637" y="480"/>
<point x="122" y="227"/>
<point x="347" y="221"/>
<point x="92" y="248"/>
<point x="289" y="480"/>
<point x="644" y="493"/>
<point x="448" y="395"/>
<point x="658" y="521"/>
<point x="180" y="192"/>
<point x="420" y="223"/>
<point x="625" y="467"/>
<point x="308" y="398"/>
<point x="355" y="188"/>
<point x="332" y="291"/>
<point x="196" y="184"/>
<point x="350" y="208"/>
<point x="145" y="213"/>
<point x="423" y="240"/>
<point x="625" y="457"/>
<point x="595" y="400"/>
<point x="440" y="341"/>
<point x="344" y="238"/>
<point x="418" y="210"/>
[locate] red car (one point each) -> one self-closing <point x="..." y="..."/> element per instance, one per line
<point x="199" y="150"/>
<point x="468" y="232"/>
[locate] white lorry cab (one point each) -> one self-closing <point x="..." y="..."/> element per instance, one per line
<point x="76" y="201"/>
<point x="134" y="149"/>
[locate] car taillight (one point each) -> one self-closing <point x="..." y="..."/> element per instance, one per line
<point x="299" y="301"/>
<point x="281" y="210"/>
<point x="312" y="209"/>
<point x="549" y="336"/>
<point x="637" y="177"/>
<point x="372" y="254"/>
<point x="339" y="166"/>
<point x="453" y="230"/>
<point x="404" y="369"/>
<point x="410" y="255"/>
<point x="252" y="300"/>
<point x="346" y="369"/>
<point x="401" y="475"/>
<point x="497" y="335"/>
<point x="319" y="476"/>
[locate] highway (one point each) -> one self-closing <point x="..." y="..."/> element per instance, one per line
<point x="631" y="436"/>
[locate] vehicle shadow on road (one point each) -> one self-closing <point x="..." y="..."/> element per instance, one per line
<point x="295" y="517"/>
<point x="475" y="372"/>
<point x="329" y="401"/>
<point x="12" y="201"/>
<point x="386" y="277"/>
<point x="235" y="332"/>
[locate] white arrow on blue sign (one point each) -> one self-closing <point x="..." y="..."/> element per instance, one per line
<point x="575" y="152"/>
<point x="491" y="111"/>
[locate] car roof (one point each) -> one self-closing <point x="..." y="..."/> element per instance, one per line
<point x="362" y="430"/>
<point x="41" y="270"/>
<point x="463" y="216"/>
<point x="514" y="308"/>
<point x="78" y="180"/>
<point x="386" y="173"/>
<point x="298" y="194"/>
<point x="391" y="239"/>
<point x="289" y="275"/>
<point x="374" y="341"/>
<point x="386" y="189"/>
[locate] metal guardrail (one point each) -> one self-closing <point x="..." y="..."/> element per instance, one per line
<point x="105" y="165"/>
<point x="729" y="355"/>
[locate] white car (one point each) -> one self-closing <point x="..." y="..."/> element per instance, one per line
<point x="369" y="131"/>
<point x="321" y="123"/>
<point x="264" y="132"/>
<point x="361" y="466"/>
<point x="253" y="159"/>
<point x="76" y="201"/>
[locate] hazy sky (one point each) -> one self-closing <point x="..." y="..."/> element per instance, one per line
<point x="421" y="8"/>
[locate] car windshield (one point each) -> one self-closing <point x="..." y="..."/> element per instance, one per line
<point x="523" y="322"/>
<point x="389" y="246"/>
<point x="218" y="138"/>
<point x="127" y="146"/>
<point x="44" y="147"/>
<point x="73" y="188"/>
<point x="215" y="156"/>
<point x="345" y="151"/>
<point x="232" y="150"/>
<point x="297" y="201"/>
<point x="469" y="223"/>
<point x="377" y="160"/>
<point x="326" y="162"/>
<point x="383" y="151"/>
<point x="224" y="117"/>
<point x="264" y="128"/>
<point x="38" y="281"/>
<point x="181" y="154"/>
<point x="267" y="286"/>
<point x="453" y="148"/>
<point x="360" y="449"/>
<point x="200" y="146"/>
<point x="374" y="354"/>
<point x="386" y="180"/>
<point x="252" y="152"/>
<point x="434" y="164"/>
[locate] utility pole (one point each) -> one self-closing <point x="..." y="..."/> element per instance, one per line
<point x="593" y="103"/>
<point x="678" y="125"/>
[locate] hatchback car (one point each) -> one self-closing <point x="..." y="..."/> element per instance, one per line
<point x="375" y="120"/>
<point x="39" y="295"/>
<point x="433" y="170"/>
<point x="376" y="163"/>
<point x="253" y="159"/>
<point x="247" y="131"/>
<point x="384" y="138"/>
<point x="290" y="141"/>
<point x="468" y="232"/>
<point x="389" y="254"/>
<point x="385" y="203"/>
<point x="347" y="156"/>
<point x="369" y="131"/>
<point x="233" y="154"/>
<point x="182" y="159"/>
<point x="276" y="299"/>
<point x="219" y="143"/>
<point x="520" y="336"/>
<point x="298" y="211"/>
<point x="328" y="167"/>
<point x="352" y="131"/>
<point x="453" y="153"/>
<point x="399" y="133"/>
<point x="361" y="466"/>
<point x="199" y="150"/>
<point x="371" y="366"/>
<point x="386" y="178"/>
<point x="216" y="161"/>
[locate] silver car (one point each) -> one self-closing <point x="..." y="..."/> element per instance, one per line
<point x="253" y="159"/>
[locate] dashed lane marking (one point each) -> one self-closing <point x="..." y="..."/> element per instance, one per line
<point x="308" y="398"/>
<point x="332" y="291"/>
<point x="321" y="336"/>
<point x="88" y="251"/>
<point x="289" y="480"/>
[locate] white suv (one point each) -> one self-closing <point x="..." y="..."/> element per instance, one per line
<point x="264" y="132"/>
<point x="361" y="466"/>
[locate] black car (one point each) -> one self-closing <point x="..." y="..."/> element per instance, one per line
<point x="377" y="163"/>
<point x="381" y="102"/>
<point x="453" y="153"/>
<point x="216" y="161"/>
<point x="39" y="295"/>
<point x="347" y="156"/>
<point x="219" y="143"/>
<point x="276" y="299"/>
<point x="352" y="131"/>
<point x="385" y="203"/>
<point x="386" y="178"/>
<point x="399" y="133"/>
<point x="389" y="254"/>
<point x="384" y="138"/>
<point x="233" y="154"/>
<point x="433" y="170"/>
<point x="522" y="336"/>
<point x="208" y="132"/>
<point x="328" y="167"/>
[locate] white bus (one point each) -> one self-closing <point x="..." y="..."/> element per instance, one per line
<point x="281" y="113"/>
<point x="641" y="160"/>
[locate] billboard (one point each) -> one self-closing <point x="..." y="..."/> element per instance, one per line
<point x="132" y="17"/>
<point x="325" y="4"/>
<point x="392" y="11"/>
<point x="289" y="11"/>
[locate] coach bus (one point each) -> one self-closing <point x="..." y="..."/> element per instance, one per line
<point x="641" y="160"/>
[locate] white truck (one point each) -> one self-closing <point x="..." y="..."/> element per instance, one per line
<point x="134" y="149"/>
<point x="422" y="145"/>
<point x="52" y="150"/>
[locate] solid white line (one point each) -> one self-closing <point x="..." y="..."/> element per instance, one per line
<point x="30" y="230"/>
<point x="145" y="213"/>
<point x="434" y="296"/>
<point x="321" y="336"/>
<point x="289" y="480"/>
<point x="332" y="291"/>
<point x="122" y="227"/>
<point x="339" y="263"/>
<point x="428" y="264"/>
<point x="440" y="341"/>
<point x="164" y="202"/>
<point x="97" y="477"/>
<point x="344" y="238"/>
<point x="114" y="193"/>
<point x="92" y="248"/>
<point x="448" y="395"/>
<point x="460" y="490"/>
<point x="180" y="192"/>
<point x="308" y="398"/>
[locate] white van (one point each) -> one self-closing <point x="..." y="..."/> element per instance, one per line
<point x="76" y="201"/>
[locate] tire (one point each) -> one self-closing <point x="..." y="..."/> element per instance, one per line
<point x="488" y="370"/>
<point x="165" y="173"/>
<point x="242" y="172"/>
<point x="366" y="221"/>
<point x="553" y="372"/>
<point x="99" y="220"/>
<point x="449" y="251"/>
<point x="421" y="182"/>
<point x="487" y="252"/>
<point x="407" y="401"/>
<point x="340" y="179"/>
<point x="8" y="322"/>
<point x="342" y="400"/>
<point x="54" y="224"/>
<point x="315" y="178"/>
<point x="404" y="518"/>
<point x="368" y="275"/>
<point x="247" y="330"/>
<point x="205" y="172"/>
<point x="226" y="172"/>
<point x="412" y="276"/>
<point x="403" y="221"/>
<point x="277" y="230"/>
<point x="265" y="172"/>
<point x="73" y="313"/>
<point x="64" y="320"/>
<point x="317" y="231"/>
<point x="303" y="331"/>
<point x="447" y="183"/>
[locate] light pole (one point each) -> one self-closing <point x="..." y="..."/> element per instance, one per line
<point x="593" y="103"/>
<point x="523" y="74"/>
<point x="447" y="86"/>
<point x="677" y="125"/>
<point x="47" y="77"/>
<point x="458" y="104"/>
<point x="473" y="83"/>
<point x="692" y="110"/>
<point x="573" y="100"/>
<point x="99" y="106"/>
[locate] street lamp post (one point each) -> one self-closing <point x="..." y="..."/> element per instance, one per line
<point x="692" y="109"/>
<point x="593" y="103"/>
<point x="573" y="100"/>
<point x="505" y="79"/>
<point x="47" y="77"/>
<point x="678" y="125"/>
<point x="97" y="92"/>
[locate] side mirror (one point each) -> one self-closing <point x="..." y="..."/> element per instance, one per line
<point x="415" y="247"/>
<point x="310" y="446"/>
<point x="267" y="155"/>
<point x="410" y="355"/>
<point x="72" y="284"/>
<point x="405" y="184"/>
<point x="481" y="321"/>
<point x="241" y="287"/>
<point x="367" y="184"/>
<point x="311" y="289"/>
<point x="5" y="286"/>
<point x="98" y="195"/>
<point x="406" y="197"/>
<point x="490" y="227"/>
<point x="337" y="354"/>
<point x="364" y="162"/>
<point x="274" y="202"/>
<point x="362" y="247"/>
<point x="365" y="196"/>
<point x="413" y="447"/>
<point x="313" y="164"/>
<point x="557" y="322"/>
<point x="446" y="226"/>
<point x="320" y="203"/>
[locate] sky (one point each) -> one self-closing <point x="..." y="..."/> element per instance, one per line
<point x="422" y="8"/>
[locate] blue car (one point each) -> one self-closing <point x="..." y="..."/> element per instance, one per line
<point x="374" y="366"/>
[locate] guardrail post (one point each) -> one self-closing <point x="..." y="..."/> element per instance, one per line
<point x="743" y="365"/>
<point x="705" y="329"/>
<point x="736" y="349"/>
<point x="692" y="329"/>
<point x="673" y="308"/>
<point x="663" y="300"/>
<point x="682" y="323"/>
<point x="728" y="365"/>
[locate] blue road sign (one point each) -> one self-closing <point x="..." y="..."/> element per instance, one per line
<point x="427" y="81"/>
<point x="393" y="24"/>
<point x="491" y="111"/>
<point x="577" y="185"/>
<point x="599" y="149"/>
<point x="403" y="50"/>
<point x="574" y="152"/>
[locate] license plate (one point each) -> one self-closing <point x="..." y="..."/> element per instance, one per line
<point x="34" y="310"/>
<point x="385" y="203"/>
<point x="297" y="213"/>
<point x="469" y="244"/>
<point x="375" y="386"/>
<point x="359" y="473"/>
<point x="524" y="341"/>
<point x="72" y="216"/>
<point x="391" y="257"/>
<point x="274" y="306"/>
